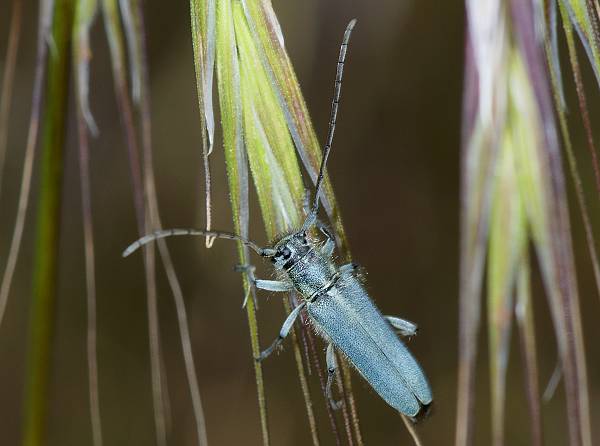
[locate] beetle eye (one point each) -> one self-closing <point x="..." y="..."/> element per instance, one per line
<point x="304" y="239"/>
<point x="286" y="253"/>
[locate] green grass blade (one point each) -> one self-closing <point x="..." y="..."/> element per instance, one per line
<point x="266" y="29"/>
<point x="48" y="229"/>
<point x="264" y="122"/>
<point x="506" y="240"/>
<point x="228" y="83"/>
<point x="203" y="39"/>
<point x="272" y="159"/>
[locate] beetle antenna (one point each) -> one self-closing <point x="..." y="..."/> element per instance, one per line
<point x="337" y="88"/>
<point x="162" y="233"/>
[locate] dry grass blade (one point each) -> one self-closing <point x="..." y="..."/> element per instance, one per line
<point x="509" y="68"/>
<point x="583" y="109"/>
<point x="312" y="352"/>
<point x="340" y="379"/>
<point x="184" y="331"/>
<point x="115" y="39"/>
<point x="583" y="17"/>
<point x="561" y="109"/>
<point x="526" y="325"/>
<point x="410" y="427"/>
<point x="551" y="44"/>
<point x="84" y="18"/>
<point x="92" y="355"/>
<point x="551" y="230"/>
<point x="483" y="112"/>
<point x="351" y="420"/>
<point x="8" y="79"/>
<point x="132" y="38"/>
<point x="44" y="26"/>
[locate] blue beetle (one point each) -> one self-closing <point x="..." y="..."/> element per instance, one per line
<point x="337" y="304"/>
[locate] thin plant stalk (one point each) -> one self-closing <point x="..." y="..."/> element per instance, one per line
<point x="312" y="351"/>
<point x="562" y="119"/>
<point x="203" y="18"/>
<point x="44" y="27"/>
<point x="85" y="14"/>
<point x="341" y="383"/>
<point x="150" y="187"/>
<point x="410" y="427"/>
<point x="90" y="277"/>
<point x="557" y="259"/>
<point x="48" y="229"/>
<point x="8" y="78"/>
<point x="115" y="38"/>
<point x="581" y="100"/>
<point x="526" y="326"/>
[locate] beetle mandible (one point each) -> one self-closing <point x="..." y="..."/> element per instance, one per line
<point x="337" y="304"/>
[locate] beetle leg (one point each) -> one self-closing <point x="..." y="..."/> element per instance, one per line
<point x="269" y="285"/>
<point x="406" y="328"/>
<point x="285" y="329"/>
<point x="273" y="285"/>
<point x="328" y="247"/>
<point x="249" y="271"/>
<point x="349" y="268"/>
<point x="244" y="268"/>
<point x="331" y="368"/>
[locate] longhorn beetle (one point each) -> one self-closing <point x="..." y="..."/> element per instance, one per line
<point x="335" y="299"/>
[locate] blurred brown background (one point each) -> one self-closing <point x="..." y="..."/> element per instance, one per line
<point x="395" y="168"/>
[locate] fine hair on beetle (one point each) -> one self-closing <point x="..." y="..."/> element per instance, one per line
<point x="334" y="298"/>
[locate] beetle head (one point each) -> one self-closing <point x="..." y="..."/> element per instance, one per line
<point x="290" y="249"/>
